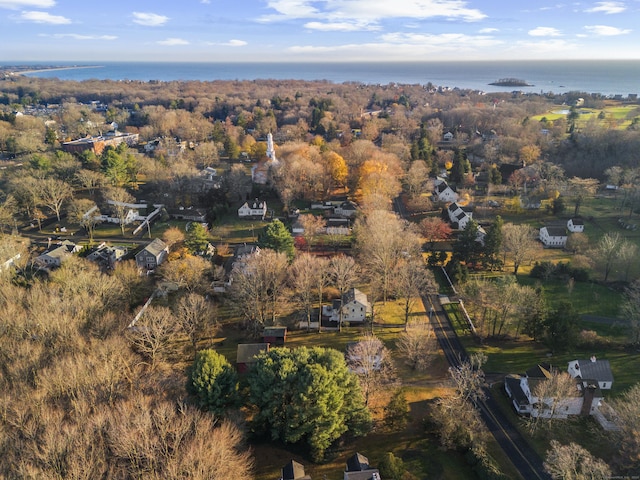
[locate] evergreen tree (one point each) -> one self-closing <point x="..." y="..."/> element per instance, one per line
<point x="495" y="177"/>
<point x="306" y="395"/>
<point x="493" y="245"/>
<point x="277" y="238"/>
<point x="197" y="238"/>
<point x="467" y="248"/>
<point x="391" y="467"/>
<point x="461" y="166"/>
<point x="396" y="413"/>
<point x="213" y="381"/>
<point x="561" y="327"/>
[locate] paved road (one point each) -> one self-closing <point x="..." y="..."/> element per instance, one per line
<point x="523" y="457"/>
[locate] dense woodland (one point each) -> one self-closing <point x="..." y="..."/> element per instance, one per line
<point x="83" y="396"/>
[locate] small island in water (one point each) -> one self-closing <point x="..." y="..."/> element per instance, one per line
<point x="511" y="82"/>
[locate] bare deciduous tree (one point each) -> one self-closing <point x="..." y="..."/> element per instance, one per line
<point x="412" y="280"/>
<point x="382" y="239"/>
<point x="573" y="462"/>
<point x="196" y="316"/>
<point x="343" y="272"/>
<point x="151" y="335"/>
<point x="551" y="394"/>
<point x="188" y="272"/>
<point x="418" y="345"/>
<point x="627" y="412"/>
<point x="53" y="194"/>
<point x="120" y="197"/>
<point x="308" y="279"/>
<point x="520" y="242"/>
<point x="313" y="226"/>
<point x="85" y="213"/>
<point x="608" y="251"/>
<point x="258" y="287"/>
<point x="631" y="310"/>
<point x="371" y="361"/>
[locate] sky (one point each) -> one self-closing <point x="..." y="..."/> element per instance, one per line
<point x="317" y="30"/>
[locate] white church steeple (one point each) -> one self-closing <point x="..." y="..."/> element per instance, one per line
<point x="271" y="151"/>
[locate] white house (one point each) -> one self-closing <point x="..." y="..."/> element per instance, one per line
<point x="254" y="209"/>
<point x="444" y="192"/>
<point x="553" y="237"/>
<point x="458" y="216"/>
<point x="585" y="400"/>
<point x="447" y="137"/>
<point x="593" y="370"/>
<point x="354" y="306"/>
<point x="575" y="225"/>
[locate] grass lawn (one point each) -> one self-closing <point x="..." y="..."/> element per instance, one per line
<point x="616" y="115"/>
<point x="588" y="298"/>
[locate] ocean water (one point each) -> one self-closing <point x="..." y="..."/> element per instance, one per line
<point x="604" y="77"/>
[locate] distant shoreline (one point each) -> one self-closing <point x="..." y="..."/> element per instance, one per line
<point x="51" y="69"/>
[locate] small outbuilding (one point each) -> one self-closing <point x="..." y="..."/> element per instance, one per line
<point x="247" y="353"/>
<point x="275" y="335"/>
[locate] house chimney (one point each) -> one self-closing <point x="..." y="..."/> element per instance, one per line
<point x="593" y="358"/>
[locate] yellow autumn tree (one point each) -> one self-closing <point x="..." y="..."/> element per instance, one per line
<point x="337" y="167"/>
<point x="379" y="177"/>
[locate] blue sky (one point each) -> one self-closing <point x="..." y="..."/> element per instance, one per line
<point x="317" y="30"/>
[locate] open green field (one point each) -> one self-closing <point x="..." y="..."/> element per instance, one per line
<point x="615" y="116"/>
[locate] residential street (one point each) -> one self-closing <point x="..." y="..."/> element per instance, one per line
<point x="523" y="457"/>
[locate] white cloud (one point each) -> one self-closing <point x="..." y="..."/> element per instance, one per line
<point x="149" y="19"/>
<point x="18" y="4"/>
<point x="545" y="32"/>
<point x="170" y="42"/>
<point x="608" y="8"/>
<point x="77" y="36"/>
<point x="230" y="43"/>
<point x="445" y="40"/>
<point x="43" y="17"/>
<point x="406" y="46"/>
<point x="488" y="30"/>
<point x="606" y="31"/>
<point x="544" y="47"/>
<point x="339" y="26"/>
<point x="205" y="1"/>
<point x="365" y="13"/>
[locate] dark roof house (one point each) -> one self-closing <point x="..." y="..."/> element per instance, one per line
<point x="294" y="471"/>
<point x="358" y="468"/>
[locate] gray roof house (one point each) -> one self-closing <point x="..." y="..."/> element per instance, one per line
<point x="593" y="369"/>
<point x="152" y="255"/>
<point x="354" y="305"/>
<point x="55" y="255"/>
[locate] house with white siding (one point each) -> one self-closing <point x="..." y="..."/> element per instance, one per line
<point x="575" y="225"/>
<point x="553" y="237"/>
